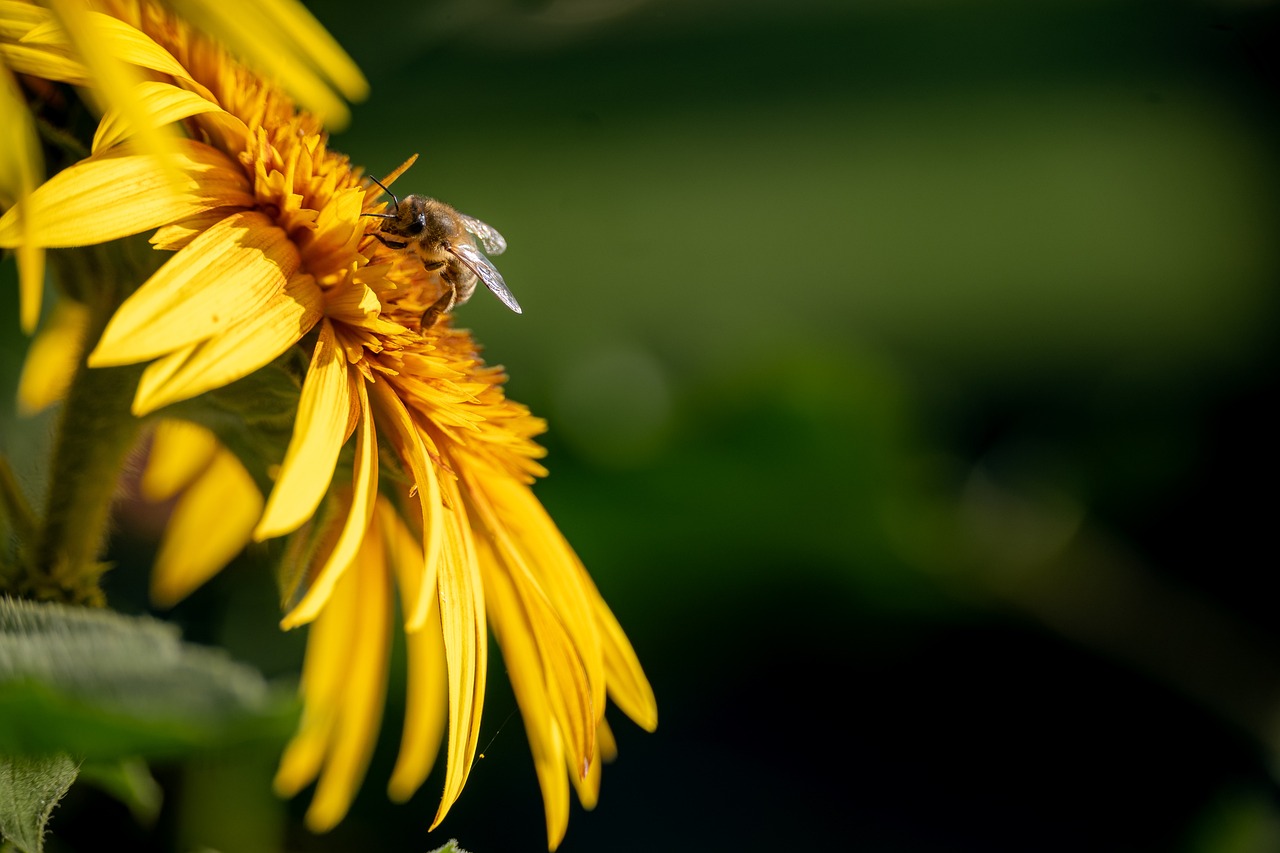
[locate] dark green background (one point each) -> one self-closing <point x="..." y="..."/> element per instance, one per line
<point x="905" y="365"/>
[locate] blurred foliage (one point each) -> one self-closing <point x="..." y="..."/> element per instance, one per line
<point x="908" y="371"/>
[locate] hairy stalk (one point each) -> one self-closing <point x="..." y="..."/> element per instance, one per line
<point x="95" y="432"/>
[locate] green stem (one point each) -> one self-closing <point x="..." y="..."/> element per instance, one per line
<point x="95" y="433"/>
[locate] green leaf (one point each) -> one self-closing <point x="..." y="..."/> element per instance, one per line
<point x="450" y="846"/>
<point x="97" y="684"/>
<point x="129" y="781"/>
<point x="29" y="789"/>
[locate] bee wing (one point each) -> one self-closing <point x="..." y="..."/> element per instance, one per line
<point x="479" y="264"/>
<point x="492" y="241"/>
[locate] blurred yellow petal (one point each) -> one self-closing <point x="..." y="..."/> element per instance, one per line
<point x="210" y="524"/>
<point x="165" y="103"/>
<point x="235" y="353"/>
<point x="325" y="670"/>
<point x="53" y="358"/>
<point x="21" y="170"/>
<point x="360" y="710"/>
<point x="111" y="49"/>
<point x="121" y="192"/>
<point x="19" y="18"/>
<point x="318" y="433"/>
<point x="281" y="39"/>
<point x="98" y="36"/>
<point x="364" y="486"/>
<point x="248" y="257"/>
<point x="180" y="451"/>
<point x="48" y="63"/>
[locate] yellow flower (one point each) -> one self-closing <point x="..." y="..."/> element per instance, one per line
<point x="270" y="251"/>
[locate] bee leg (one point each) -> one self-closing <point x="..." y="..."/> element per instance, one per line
<point x="440" y="306"/>
<point x="390" y="244"/>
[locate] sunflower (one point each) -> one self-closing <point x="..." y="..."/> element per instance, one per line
<point x="273" y="249"/>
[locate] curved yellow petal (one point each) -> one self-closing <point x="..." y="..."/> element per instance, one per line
<point x="524" y="668"/>
<point x="318" y="433"/>
<point x="563" y="662"/>
<point x="53" y="357"/>
<point x="121" y="192"/>
<point x="95" y="34"/>
<point x="226" y="275"/>
<point x="210" y="524"/>
<point x="460" y="595"/>
<point x="408" y="442"/>
<point x="236" y="352"/>
<point x="364" y="487"/>
<point x="360" y="712"/>
<point x="325" y="670"/>
<point x="180" y="451"/>
<point x="426" y="712"/>
<point x="164" y="104"/>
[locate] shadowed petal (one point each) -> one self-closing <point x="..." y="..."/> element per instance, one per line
<point x="359" y="713"/>
<point x="180" y="451"/>
<point x="53" y="357"/>
<point x="210" y="524"/>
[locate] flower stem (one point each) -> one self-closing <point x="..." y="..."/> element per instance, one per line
<point x="95" y="433"/>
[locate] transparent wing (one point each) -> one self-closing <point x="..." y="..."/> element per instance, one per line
<point x="492" y="241"/>
<point x="479" y="264"/>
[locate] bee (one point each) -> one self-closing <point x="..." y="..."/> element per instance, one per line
<point x="445" y="241"/>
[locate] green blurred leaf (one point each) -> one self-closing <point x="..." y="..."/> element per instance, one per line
<point x="29" y="789"/>
<point x="129" y="781"/>
<point x="97" y="684"/>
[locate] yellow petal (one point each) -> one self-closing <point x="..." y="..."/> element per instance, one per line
<point x="180" y="451"/>
<point x="21" y="170"/>
<point x="460" y="594"/>
<point x="364" y="486"/>
<point x="408" y="441"/>
<point x="121" y="192"/>
<point x="562" y="661"/>
<point x="97" y="33"/>
<point x="53" y="358"/>
<point x="426" y="711"/>
<point x="283" y="41"/>
<point x="48" y="63"/>
<point x="224" y="277"/>
<point x="237" y="352"/>
<point x="210" y="524"/>
<point x="19" y="18"/>
<point x="110" y="49"/>
<point x="524" y="668"/>
<point x="325" y="672"/>
<point x="360" y="712"/>
<point x="164" y="104"/>
<point x="318" y="433"/>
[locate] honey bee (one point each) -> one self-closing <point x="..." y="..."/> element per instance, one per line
<point x="444" y="240"/>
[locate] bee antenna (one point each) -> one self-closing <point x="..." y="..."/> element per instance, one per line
<point x="394" y="200"/>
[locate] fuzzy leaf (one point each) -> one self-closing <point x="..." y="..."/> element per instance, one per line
<point x="97" y="684"/>
<point x="29" y="789"/>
